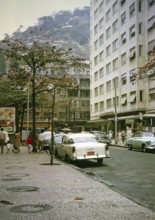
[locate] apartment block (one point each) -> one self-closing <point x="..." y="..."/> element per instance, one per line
<point x="122" y="63"/>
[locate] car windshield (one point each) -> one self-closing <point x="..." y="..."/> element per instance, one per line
<point x="148" y="134"/>
<point x="84" y="139"/>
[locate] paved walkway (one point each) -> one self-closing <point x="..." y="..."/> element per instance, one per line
<point x="32" y="189"/>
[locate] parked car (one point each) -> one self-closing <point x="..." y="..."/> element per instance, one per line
<point x="141" y="140"/>
<point x="47" y="141"/>
<point x="80" y="146"/>
<point x="101" y="137"/>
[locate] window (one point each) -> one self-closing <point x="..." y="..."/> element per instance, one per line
<point x="108" y="33"/>
<point x="152" y="94"/>
<point x="96" y="60"/>
<point x="108" y="86"/>
<point x="141" y="95"/>
<point x="151" y="23"/>
<point x="124" y="99"/>
<point x="140" y="50"/>
<point x="132" y="98"/>
<point x="123" y="38"/>
<point x="101" y="23"/>
<point x="96" y="29"/>
<point x="122" y="2"/>
<point x="123" y="59"/>
<point x="132" y="75"/>
<point x="85" y="93"/>
<point x="123" y="79"/>
<point x="108" y="50"/>
<point x="96" y="76"/>
<point x="101" y="73"/>
<point x="96" y="91"/>
<point x="96" y="13"/>
<point x="115" y="63"/>
<point x="84" y="82"/>
<point x="123" y="18"/>
<point x="101" y="56"/>
<point x="140" y="5"/>
<point x="132" y="53"/>
<point x="151" y="3"/>
<point x="108" y="68"/>
<point x="101" y="40"/>
<point x="115" y="82"/>
<point x="101" y="89"/>
<point x="96" y="45"/>
<point x="101" y="106"/>
<point x="115" y="7"/>
<point x="115" y="26"/>
<point x="132" y="31"/>
<point x="101" y="7"/>
<point x="132" y="9"/>
<point x="140" y="28"/>
<point x="108" y="15"/>
<point x="115" y="45"/>
<point x="108" y="103"/>
<point x="96" y="107"/>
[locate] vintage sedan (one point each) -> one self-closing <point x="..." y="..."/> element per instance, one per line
<point x="80" y="146"/>
<point x="141" y="140"/>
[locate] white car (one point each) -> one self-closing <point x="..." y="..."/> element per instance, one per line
<point x="47" y="140"/>
<point x="80" y="146"/>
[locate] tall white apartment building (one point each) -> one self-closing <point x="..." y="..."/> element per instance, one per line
<point x="122" y="41"/>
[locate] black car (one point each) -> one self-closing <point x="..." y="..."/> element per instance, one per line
<point x="102" y="137"/>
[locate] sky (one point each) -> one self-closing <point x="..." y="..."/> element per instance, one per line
<point x="14" y="13"/>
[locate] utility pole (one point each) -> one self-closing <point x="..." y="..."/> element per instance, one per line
<point x="115" y="118"/>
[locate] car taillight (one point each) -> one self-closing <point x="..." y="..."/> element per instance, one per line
<point x="73" y="149"/>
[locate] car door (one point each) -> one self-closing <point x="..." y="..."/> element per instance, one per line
<point x="136" y="143"/>
<point x="58" y="144"/>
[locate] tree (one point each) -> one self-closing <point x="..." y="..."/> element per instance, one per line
<point x="42" y="66"/>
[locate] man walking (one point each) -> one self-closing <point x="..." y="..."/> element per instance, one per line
<point x="2" y="139"/>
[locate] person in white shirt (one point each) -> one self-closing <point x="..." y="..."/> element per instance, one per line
<point x="41" y="139"/>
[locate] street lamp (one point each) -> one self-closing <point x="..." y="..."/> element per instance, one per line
<point x="115" y="118"/>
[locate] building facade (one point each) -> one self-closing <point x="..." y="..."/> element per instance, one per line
<point x="122" y="44"/>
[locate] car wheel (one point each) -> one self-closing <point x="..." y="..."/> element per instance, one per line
<point x="129" y="147"/>
<point x="144" y="148"/>
<point x="100" y="161"/>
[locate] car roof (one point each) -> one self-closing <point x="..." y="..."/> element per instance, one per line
<point x="72" y="135"/>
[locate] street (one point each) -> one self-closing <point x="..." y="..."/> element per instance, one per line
<point x="130" y="173"/>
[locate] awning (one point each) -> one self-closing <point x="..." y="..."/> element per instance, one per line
<point x="132" y="98"/>
<point x="123" y="101"/>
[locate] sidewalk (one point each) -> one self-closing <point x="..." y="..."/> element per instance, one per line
<point x="31" y="189"/>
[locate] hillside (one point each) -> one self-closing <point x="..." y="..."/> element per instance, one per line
<point x="69" y="29"/>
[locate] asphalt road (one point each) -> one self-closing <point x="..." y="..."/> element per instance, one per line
<point x="130" y="173"/>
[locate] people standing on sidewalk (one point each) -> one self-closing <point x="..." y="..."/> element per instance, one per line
<point x="123" y="134"/>
<point x="17" y="141"/>
<point x="110" y="134"/>
<point x="41" y="139"/>
<point x="119" y="137"/>
<point x="29" y="142"/>
<point x="2" y="139"/>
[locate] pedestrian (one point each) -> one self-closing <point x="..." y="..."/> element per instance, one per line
<point x="119" y="137"/>
<point x="29" y="142"/>
<point x="8" y="146"/>
<point x="110" y="134"/>
<point x="123" y="134"/>
<point x="41" y="139"/>
<point x="2" y="139"/>
<point x="17" y="141"/>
